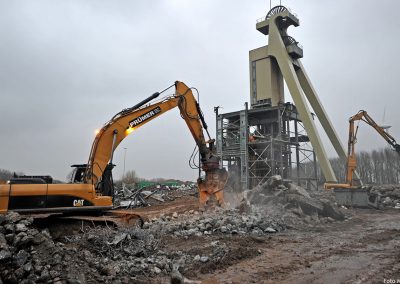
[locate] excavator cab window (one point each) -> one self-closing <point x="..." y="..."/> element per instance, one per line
<point x="78" y="173"/>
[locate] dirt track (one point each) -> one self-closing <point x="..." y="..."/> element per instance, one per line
<point x="364" y="249"/>
<point x="180" y="205"/>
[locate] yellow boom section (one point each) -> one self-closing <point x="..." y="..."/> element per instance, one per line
<point x="351" y="157"/>
<point x="124" y="123"/>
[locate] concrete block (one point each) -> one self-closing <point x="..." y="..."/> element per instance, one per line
<point x="353" y="197"/>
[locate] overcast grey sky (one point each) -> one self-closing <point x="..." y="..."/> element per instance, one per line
<point x="67" y="66"/>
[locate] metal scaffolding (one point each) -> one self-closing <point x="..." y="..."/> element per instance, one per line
<point x="255" y="144"/>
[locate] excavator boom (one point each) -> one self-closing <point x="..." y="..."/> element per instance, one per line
<point x="351" y="166"/>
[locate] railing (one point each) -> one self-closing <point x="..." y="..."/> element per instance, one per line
<point x="288" y="40"/>
<point x="276" y="10"/>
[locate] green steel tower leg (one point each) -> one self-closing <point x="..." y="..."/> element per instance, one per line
<point x="277" y="49"/>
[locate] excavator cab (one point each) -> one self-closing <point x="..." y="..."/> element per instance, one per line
<point x="78" y="173"/>
<point x="105" y="187"/>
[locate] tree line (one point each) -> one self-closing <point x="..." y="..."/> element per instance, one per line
<point x="5" y="174"/>
<point x="376" y="167"/>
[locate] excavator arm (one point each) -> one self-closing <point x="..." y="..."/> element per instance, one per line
<point x="364" y="116"/>
<point x="98" y="170"/>
<point x="351" y="157"/>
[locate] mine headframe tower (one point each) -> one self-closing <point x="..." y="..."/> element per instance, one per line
<point x="273" y="137"/>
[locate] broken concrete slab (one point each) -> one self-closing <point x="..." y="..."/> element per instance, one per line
<point x="295" y="189"/>
<point x="274" y="181"/>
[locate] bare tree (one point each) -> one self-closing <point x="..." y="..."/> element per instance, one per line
<point x="130" y="177"/>
<point x="377" y="167"/>
<point x="5" y="174"/>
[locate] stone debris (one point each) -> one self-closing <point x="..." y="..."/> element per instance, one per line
<point x="19" y="243"/>
<point x="290" y="201"/>
<point x="216" y="222"/>
<point x="103" y="254"/>
<point x="98" y="254"/>
<point x="128" y="196"/>
<point x="118" y="238"/>
<point x="270" y="230"/>
<point x="389" y="195"/>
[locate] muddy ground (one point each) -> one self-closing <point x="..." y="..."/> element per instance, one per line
<point x="363" y="249"/>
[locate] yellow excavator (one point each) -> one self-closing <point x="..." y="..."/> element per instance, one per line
<point x="351" y="166"/>
<point x="91" y="186"/>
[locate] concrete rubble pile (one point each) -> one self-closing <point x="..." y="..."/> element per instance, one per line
<point x="137" y="251"/>
<point x="125" y="251"/>
<point x="128" y="196"/>
<point x="28" y="255"/>
<point x="219" y="221"/>
<point x="98" y="254"/>
<point x="389" y="195"/>
<point x="133" y="254"/>
<point x="292" y="203"/>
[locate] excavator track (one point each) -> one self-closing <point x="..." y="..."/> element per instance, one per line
<point x="118" y="219"/>
<point x="115" y="218"/>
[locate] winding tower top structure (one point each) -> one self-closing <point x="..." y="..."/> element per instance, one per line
<point x="278" y="61"/>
